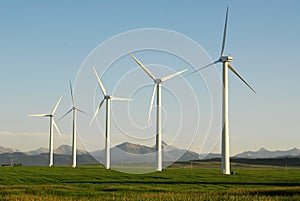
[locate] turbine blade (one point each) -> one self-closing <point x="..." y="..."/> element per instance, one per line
<point x="81" y="111"/>
<point x="72" y="95"/>
<point x="56" y="128"/>
<point x="143" y="67"/>
<point x="55" y="108"/>
<point x="224" y="33"/>
<point x="232" y="69"/>
<point x="151" y="103"/>
<point x="38" y="115"/>
<point x="96" y="112"/>
<point x="120" y="99"/>
<point x="172" y="75"/>
<point x="65" y="114"/>
<point x="99" y="82"/>
<point x="206" y="66"/>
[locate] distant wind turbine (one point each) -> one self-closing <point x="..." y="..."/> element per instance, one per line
<point x="106" y="98"/>
<point x="157" y="89"/>
<point x="74" y="109"/>
<point x="52" y="123"/>
<point x="225" y="133"/>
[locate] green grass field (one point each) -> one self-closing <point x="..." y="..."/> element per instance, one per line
<point x="202" y="182"/>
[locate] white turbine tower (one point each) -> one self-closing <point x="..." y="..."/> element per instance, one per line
<point x="106" y="98"/>
<point x="52" y="123"/>
<point x="225" y="132"/>
<point x="74" y="134"/>
<point x="157" y="89"/>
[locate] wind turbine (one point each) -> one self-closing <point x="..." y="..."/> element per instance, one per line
<point x="225" y="132"/>
<point x="106" y="98"/>
<point x="74" y="109"/>
<point x="157" y="89"/>
<point x="52" y="123"/>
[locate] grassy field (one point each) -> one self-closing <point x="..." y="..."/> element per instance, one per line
<point x="180" y="182"/>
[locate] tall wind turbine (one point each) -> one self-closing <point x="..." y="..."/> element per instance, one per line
<point x="157" y="89"/>
<point x="106" y="98"/>
<point x="52" y="123"/>
<point x="225" y="132"/>
<point x="74" y="134"/>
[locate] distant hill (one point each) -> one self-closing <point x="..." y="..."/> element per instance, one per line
<point x="39" y="151"/>
<point x="263" y="153"/>
<point x="135" y="153"/>
<point x="283" y="162"/>
<point x="125" y="152"/>
<point x="43" y="159"/>
<point x="135" y="148"/>
<point x="7" y="150"/>
<point x="210" y="156"/>
<point x="40" y="157"/>
<point x="63" y="150"/>
<point x="67" y="150"/>
<point x="132" y="153"/>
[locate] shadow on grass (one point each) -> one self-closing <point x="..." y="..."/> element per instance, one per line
<point x="189" y="182"/>
<point x="276" y="192"/>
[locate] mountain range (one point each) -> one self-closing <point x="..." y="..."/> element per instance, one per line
<point x="263" y="153"/>
<point x="129" y="153"/>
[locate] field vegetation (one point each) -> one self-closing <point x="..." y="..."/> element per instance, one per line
<point x="185" y="181"/>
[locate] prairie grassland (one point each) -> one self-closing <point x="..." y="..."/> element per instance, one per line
<point x="180" y="182"/>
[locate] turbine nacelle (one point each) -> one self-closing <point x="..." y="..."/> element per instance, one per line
<point x="107" y="97"/>
<point x="226" y="58"/>
<point x="157" y="81"/>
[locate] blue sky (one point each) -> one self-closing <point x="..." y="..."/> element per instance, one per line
<point x="43" y="45"/>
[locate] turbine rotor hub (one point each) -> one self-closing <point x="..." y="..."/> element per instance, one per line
<point x="107" y="97"/>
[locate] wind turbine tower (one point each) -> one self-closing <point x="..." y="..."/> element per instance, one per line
<point x="52" y="123"/>
<point x="157" y="88"/>
<point x="225" y="119"/>
<point x="106" y="98"/>
<point x="74" y="133"/>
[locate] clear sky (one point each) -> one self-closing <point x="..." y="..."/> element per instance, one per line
<point x="43" y="45"/>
